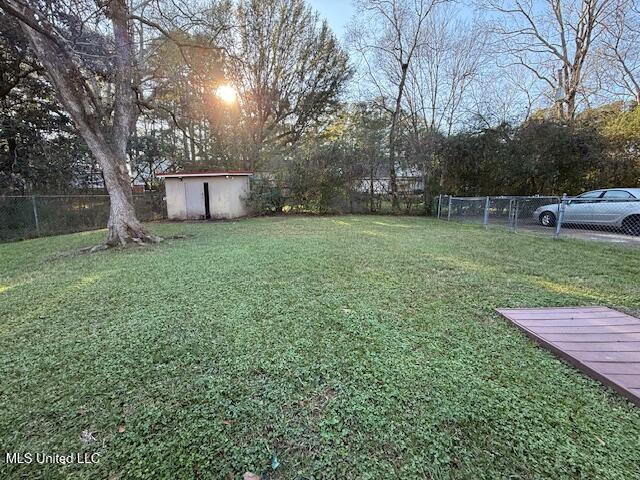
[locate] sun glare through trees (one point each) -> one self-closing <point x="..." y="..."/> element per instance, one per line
<point x="226" y="93"/>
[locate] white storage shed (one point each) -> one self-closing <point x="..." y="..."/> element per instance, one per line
<point x="214" y="194"/>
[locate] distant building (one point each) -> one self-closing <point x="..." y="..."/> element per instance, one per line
<point x="408" y="181"/>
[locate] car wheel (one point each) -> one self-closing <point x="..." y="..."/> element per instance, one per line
<point x="547" y="219"/>
<point x="631" y="225"/>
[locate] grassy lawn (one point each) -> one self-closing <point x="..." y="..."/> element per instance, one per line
<point x="348" y="347"/>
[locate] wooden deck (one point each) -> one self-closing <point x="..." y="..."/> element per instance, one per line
<point x="599" y="341"/>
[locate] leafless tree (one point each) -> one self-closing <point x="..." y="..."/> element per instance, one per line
<point x="439" y="79"/>
<point x="387" y="34"/>
<point x="619" y="53"/>
<point x="553" y="39"/>
<point x="503" y="95"/>
<point x="444" y="69"/>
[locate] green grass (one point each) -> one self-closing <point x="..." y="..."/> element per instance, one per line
<point x="348" y="347"/>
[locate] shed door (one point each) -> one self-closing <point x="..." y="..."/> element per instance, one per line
<point x="194" y="193"/>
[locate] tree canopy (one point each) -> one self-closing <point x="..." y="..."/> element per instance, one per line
<point x="418" y="98"/>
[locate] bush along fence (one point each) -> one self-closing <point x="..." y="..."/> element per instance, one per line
<point x="614" y="212"/>
<point x="33" y="216"/>
<point x="359" y="196"/>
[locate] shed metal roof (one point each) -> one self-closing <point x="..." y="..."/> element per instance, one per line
<point x="205" y="173"/>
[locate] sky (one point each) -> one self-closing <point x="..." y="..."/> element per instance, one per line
<point x="337" y="12"/>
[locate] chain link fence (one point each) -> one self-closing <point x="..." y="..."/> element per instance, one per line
<point x="607" y="214"/>
<point x="32" y="216"/>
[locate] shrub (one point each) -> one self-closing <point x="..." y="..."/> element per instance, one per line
<point x="265" y="198"/>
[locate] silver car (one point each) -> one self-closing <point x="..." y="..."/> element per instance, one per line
<point x="616" y="208"/>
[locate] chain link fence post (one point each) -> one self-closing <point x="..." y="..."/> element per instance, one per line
<point x="35" y="214"/>
<point x="29" y="216"/>
<point x="485" y="220"/>
<point x="561" y="207"/>
<point x="439" y="205"/>
<point x="515" y="215"/>
<point x="510" y="215"/>
<point x="449" y="210"/>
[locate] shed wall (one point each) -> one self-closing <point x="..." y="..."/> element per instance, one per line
<point x="226" y="196"/>
<point x="176" y="206"/>
<point x="185" y="197"/>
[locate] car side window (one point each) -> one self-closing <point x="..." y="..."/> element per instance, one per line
<point x="588" y="197"/>
<point x="591" y="195"/>
<point x="621" y="194"/>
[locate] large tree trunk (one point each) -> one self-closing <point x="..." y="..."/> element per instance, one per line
<point x="571" y="105"/>
<point x="371" y="191"/>
<point x="123" y="226"/>
<point x="105" y="130"/>
<point x="425" y="188"/>
<point x="393" y="184"/>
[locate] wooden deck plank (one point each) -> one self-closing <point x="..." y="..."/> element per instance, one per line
<point x="616" y="368"/>
<point x="541" y="322"/>
<point x="589" y="329"/>
<point x="563" y="316"/>
<point x="592" y="337"/>
<point x="599" y="347"/>
<point x="597" y="356"/>
<point x="561" y="309"/>
<point x="599" y="341"/>
<point x="628" y="381"/>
